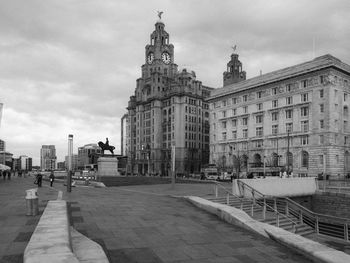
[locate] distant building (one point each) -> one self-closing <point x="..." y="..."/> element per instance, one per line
<point x="48" y="157"/>
<point x="1" y="107"/>
<point x="75" y="162"/>
<point x="61" y="165"/>
<point x="6" y="158"/>
<point x="2" y="145"/>
<point x="295" y="119"/>
<point x="87" y="155"/>
<point x="23" y="163"/>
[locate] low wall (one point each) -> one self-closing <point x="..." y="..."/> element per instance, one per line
<point x="279" y="187"/>
<point x="144" y="180"/>
<point x="335" y="204"/>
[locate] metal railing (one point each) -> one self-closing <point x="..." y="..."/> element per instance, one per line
<point x="322" y="224"/>
<point x="258" y="199"/>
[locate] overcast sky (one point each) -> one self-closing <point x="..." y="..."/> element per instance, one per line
<point x="70" y="66"/>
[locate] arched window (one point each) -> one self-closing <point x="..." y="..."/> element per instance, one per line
<point x="304" y="159"/>
<point x="244" y="160"/>
<point x="347" y="161"/>
<point x="257" y="160"/>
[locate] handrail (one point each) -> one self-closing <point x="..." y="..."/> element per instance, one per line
<point x="250" y="188"/>
<point x="316" y="214"/>
<point x="265" y="205"/>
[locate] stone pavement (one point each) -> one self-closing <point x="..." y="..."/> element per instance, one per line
<point x="138" y="224"/>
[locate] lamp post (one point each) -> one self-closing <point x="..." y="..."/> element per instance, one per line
<point x="173" y="167"/>
<point x="70" y="162"/>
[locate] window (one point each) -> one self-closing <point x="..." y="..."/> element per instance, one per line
<point x="275" y="129"/>
<point x="321" y="93"/>
<point x="305" y="126"/>
<point x="304" y="111"/>
<point x="345" y="96"/>
<point x="259" y="94"/>
<point x="259" y="106"/>
<point x="320" y="159"/>
<point x="304" y="97"/>
<point x="259" y="143"/>
<point x="245" y="109"/>
<point x="259" y="131"/>
<point x="224" y="135"/>
<point x="289" y="87"/>
<point x="289" y="127"/>
<point x="245" y="98"/>
<point x="321" y="124"/>
<point x="304" y="140"/>
<point x="234" y="112"/>
<point x="224" y="124"/>
<point x="274" y="116"/>
<point x="274" y="91"/>
<point x="234" y="100"/>
<point x="224" y="114"/>
<point x="289" y="114"/>
<point x="321" y="108"/>
<point x="304" y="83"/>
<point x="224" y="103"/>
<point x="259" y="118"/>
<point x="336" y="106"/>
<point x="321" y="79"/>
<point x="274" y="103"/>
<point x="345" y="126"/>
<point x="245" y="121"/>
<point x="234" y="134"/>
<point x="321" y="139"/>
<point x="304" y="159"/>
<point x="289" y="100"/>
<point x="245" y="133"/>
<point x="234" y="123"/>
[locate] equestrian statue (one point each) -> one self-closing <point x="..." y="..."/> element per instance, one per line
<point x="106" y="146"/>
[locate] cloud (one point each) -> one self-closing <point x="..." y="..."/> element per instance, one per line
<point x="71" y="66"/>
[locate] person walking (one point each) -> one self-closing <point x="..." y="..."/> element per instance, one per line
<point x="4" y="174"/>
<point x="8" y="175"/>
<point x="52" y="178"/>
<point x="39" y="179"/>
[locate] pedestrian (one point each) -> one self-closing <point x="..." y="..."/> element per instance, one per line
<point x="52" y="178"/>
<point x="8" y="175"/>
<point x="39" y="179"/>
<point x="4" y="174"/>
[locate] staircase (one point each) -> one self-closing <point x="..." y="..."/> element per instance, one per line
<point x="256" y="212"/>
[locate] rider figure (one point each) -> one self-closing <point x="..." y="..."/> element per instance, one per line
<point x="107" y="142"/>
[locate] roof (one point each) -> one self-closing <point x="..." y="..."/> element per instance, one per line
<point x="318" y="63"/>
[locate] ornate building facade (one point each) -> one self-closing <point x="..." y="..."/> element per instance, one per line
<point x="167" y="109"/>
<point x="294" y="119"/>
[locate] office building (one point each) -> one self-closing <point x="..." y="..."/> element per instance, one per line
<point x="295" y="119"/>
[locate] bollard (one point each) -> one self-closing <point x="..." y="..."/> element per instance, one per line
<point x="32" y="202"/>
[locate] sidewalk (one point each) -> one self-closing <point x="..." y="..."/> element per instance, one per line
<point x="138" y="224"/>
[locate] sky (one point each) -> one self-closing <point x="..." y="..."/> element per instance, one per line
<point x="70" y="66"/>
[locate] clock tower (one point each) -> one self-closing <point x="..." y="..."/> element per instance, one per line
<point x="159" y="54"/>
<point x="168" y="109"/>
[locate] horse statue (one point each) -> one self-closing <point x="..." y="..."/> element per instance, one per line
<point x="106" y="147"/>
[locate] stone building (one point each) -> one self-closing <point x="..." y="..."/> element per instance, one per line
<point x="167" y="109"/>
<point x="295" y="119"/>
<point x="87" y="156"/>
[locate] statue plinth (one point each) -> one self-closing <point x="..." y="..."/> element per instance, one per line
<point x="107" y="166"/>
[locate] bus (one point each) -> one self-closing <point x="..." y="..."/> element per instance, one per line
<point x="210" y="172"/>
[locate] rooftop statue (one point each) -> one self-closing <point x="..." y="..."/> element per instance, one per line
<point x="160" y="14"/>
<point x="106" y="146"/>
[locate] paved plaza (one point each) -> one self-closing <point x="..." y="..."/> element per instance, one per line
<point x="137" y="224"/>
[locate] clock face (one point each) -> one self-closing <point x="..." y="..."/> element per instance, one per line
<point x="166" y="58"/>
<point x="150" y="58"/>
